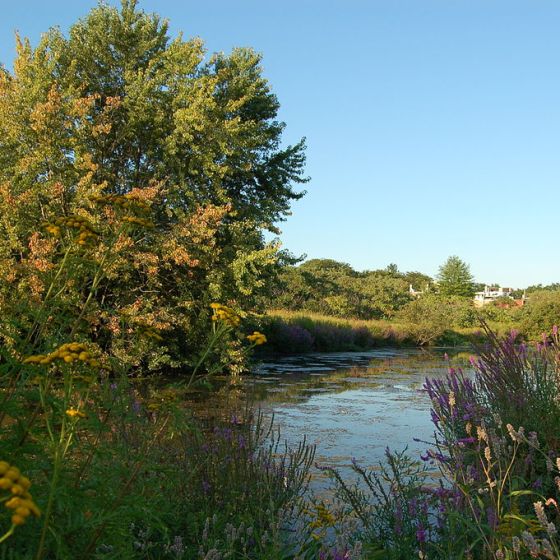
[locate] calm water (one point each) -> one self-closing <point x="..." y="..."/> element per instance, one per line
<point x="351" y="404"/>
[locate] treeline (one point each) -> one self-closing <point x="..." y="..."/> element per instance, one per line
<point x="334" y="288"/>
<point x="324" y="304"/>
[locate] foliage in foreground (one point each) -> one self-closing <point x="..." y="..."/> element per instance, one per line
<point x="97" y="465"/>
<point x="497" y="452"/>
<point x="134" y="142"/>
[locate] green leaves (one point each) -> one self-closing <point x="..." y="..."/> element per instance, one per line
<point x="119" y="107"/>
<point x="455" y="278"/>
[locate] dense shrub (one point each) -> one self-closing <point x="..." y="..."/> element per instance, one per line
<point x="541" y="312"/>
<point x="306" y="333"/>
<point x="289" y="338"/>
<point x="174" y="159"/>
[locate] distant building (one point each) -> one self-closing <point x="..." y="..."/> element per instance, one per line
<point x="490" y="294"/>
<point x="417" y="293"/>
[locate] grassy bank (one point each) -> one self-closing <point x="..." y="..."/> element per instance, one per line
<point x="292" y="332"/>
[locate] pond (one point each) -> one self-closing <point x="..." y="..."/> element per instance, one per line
<point x="352" y="405"/>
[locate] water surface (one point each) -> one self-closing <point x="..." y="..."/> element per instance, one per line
<point x="351" y="405"/>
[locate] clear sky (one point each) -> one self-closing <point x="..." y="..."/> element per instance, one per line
<point x="433" y="126"/>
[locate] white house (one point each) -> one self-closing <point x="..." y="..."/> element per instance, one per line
<point x="490" y="294"/>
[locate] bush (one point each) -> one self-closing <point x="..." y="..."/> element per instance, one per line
<point x="295" y="334"/>
<point x="540" y="314"/>
<point x="289" y="338"/>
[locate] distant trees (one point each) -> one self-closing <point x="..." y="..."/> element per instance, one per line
<point x="455" y="278"/>
<point x="335" y="288"/>
<point x="541" y="313"/>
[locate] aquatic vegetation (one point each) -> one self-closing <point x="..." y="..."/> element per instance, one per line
<point x="497" y="487"/>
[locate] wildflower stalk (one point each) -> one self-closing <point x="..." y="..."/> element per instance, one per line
<point x="96" y="441"/>
<point x="60" y="452"/>
<point x="7" y="534"/>
<point x="91" y="546"/>
<point x="62" y="445"/>
<point x="505" y="477"/>
<point x="217" y="333"/>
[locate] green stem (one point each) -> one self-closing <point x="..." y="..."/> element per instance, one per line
<point x="216" y="336"/>
<point x="48" y="510"/>
<point x="8" y="534"/>
<point x="62" y="447"/>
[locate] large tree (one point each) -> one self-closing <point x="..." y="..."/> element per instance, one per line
<point x="455" y="278"/>
<point x="118" y="107"/>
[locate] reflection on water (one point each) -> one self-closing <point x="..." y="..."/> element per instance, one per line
<point x="351" y="404"/>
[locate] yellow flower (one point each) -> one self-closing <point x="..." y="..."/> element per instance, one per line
<point x="257" y="338"/>
<point x="68" y="353"/>
<point x="225" y="314"/>
<point x="21" y="503"/>
<point x="18" y="519"/>
<point x="13" y="473"/>
<point x="123" y="201"/>
<point x="6" y="483"/>
<point x="323" y="518"/>
<point x="17" y="489"/>
<point x="138" y="221"/>
<point x="34" y="359"/>
<point x="85" y="230"/>
<point x="73" y="413"/>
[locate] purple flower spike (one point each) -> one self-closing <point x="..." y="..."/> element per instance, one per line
<point x="421" y="534"/>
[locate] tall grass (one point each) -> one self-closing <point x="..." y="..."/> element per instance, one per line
<point x="291" y="332"/>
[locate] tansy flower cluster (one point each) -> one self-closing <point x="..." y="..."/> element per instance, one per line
<point x="324" y="518"/>
<point x="21" y="502"/>
<point x="85" y="232"/>
<point x="75" y="413"/>
<point x="121" y="200"/>
<point x="225" y="314"/>
<point x="68" y="353"/>
<point x="257" y="338"/>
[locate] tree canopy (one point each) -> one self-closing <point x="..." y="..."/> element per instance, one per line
<point x="455" y="278"/>
<point x="335" y="288"/>
<point x="118" y="107"/>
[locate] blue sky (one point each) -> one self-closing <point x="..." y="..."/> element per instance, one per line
<point x="433" y="127"/>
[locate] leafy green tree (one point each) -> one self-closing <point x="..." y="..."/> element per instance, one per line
<point x="455" y="278"/>
<point x="333" y="288"/>
<point x="539" y="287"/>
<point x="379" y="296"/>
<point x="541" y="313"/>
<point x="323" y="283"/>
<point x="393" y="270"/>
<point x="418" y="280"/>
<point x="118" y="107"/>
<point x="328" y="267"/>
